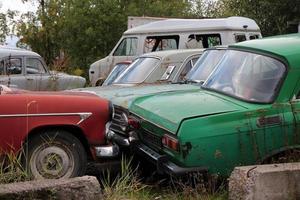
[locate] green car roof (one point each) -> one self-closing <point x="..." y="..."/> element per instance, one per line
<point x="286" y="47"/>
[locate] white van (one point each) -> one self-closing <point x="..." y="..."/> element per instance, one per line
<point x="174" y="34"/>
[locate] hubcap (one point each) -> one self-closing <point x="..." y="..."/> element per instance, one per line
<point x="55" y="161"/>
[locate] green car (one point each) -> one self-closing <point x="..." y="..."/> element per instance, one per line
<point x="246" y="112"/>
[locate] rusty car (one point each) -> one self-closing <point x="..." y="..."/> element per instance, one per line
<point x="55" y="140"/>
<point x="27" y="70"/>
<point x="246" y="112"/>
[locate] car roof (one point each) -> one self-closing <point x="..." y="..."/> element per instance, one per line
<point x="9" y="51"/>
<point x="283" y="46"/>
<point x="177" y="55"/>
<point x="182" y="25"/>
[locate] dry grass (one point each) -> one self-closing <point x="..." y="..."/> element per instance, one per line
<point x="128" y="186"/>
<point x="11" y="169"/>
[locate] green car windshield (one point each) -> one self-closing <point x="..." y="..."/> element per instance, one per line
<point x="205" y="65"/>
<point x="248" y="76"/>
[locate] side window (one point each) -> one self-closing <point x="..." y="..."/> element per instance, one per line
<point x="13" y="66"/>
<point x="2" y="67"/>
<point x="34" y="66"/>
<point x="160" y="43"/>
<point x="188" y="66"/>
<point x="240" y="37"/>
<point x="203" y="41"/>
<point x="128" y="47"/>
<point x="253" y="37"/>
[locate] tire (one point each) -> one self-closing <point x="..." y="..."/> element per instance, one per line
<point x="55" y="154"/>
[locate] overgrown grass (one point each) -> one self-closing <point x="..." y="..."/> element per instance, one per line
<point x="127" y="185"/>
<point x="11" y="169"/>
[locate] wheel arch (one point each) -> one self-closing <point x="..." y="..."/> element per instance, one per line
<point x="74" y="130"/>
<point x="277" y="152"/>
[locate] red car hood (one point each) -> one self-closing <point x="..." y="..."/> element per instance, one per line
<point x="7" y="90"/>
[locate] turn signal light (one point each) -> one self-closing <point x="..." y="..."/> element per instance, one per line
<point x="133" y="123"/>
<point x="170" y="142"/>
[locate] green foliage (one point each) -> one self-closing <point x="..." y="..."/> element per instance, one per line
<point x="86" y="31"/>
<point x="271" y="15"/>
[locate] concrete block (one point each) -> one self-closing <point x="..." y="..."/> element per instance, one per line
<point x="260" y="182"/>
<point x="79" y="188"/>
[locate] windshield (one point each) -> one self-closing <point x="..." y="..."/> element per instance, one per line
<point x="138" y="71"/>
<point x="117" y="70"/>
<point x="248" y="76"/>
<point x="205" y="65"/>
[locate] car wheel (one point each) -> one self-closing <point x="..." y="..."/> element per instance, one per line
<point x="55" y="154"/>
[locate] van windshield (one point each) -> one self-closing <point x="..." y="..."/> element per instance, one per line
<point x="205" y="65"/>
<point x="138" y="71"/>
<point x="128" y="47"/>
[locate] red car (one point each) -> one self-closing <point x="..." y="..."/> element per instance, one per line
<point x="59" y="132"/>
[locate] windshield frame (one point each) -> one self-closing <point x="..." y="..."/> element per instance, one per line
<point x="113" y="71"/>
<point x="217" y="48"/>
<point x="258" y="52"/>
<point x="146" y="77"/>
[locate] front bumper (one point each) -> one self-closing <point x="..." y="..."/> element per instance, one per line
<point x="163" y="164"/>
<point x="107" y="151"/>
<point x="121" y="140"/>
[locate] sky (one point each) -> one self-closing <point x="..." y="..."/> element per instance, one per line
<point x="17" y="5"/>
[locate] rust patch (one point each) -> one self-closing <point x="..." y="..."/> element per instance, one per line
<point x="218" y="154"/>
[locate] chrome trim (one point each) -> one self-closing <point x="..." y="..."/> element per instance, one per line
<point x="107" y="151"/>
<point x="83" y="115"/>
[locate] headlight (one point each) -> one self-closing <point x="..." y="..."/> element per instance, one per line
<point x="124" y="122"/>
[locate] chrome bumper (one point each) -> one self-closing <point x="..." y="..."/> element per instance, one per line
<point x="163" y="164"/>
<point x="107" y="151"/>
<point x="121" y="140"/>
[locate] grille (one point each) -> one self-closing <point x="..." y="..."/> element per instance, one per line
<point x="117" y="120"/>
<point x="150" y="138"/>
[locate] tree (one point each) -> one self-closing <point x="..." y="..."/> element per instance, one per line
<point x="85" y="31"/>
<point x="271" y="15"/>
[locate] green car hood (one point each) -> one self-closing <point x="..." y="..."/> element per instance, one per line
<point x="123" y="96"/>
<point x="167" y="110"/>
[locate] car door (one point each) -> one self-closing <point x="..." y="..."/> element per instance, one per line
<point x="12" y="120"/>
<point x="36" y="74"/>
<point x="14" y="72"/>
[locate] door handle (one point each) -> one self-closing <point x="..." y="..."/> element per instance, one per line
<point x="29" y="79"/>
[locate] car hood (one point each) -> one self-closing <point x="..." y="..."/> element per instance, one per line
<point x="170" y="109"/>
<point x="15" y="91"/>
<point x="123" y="96"/>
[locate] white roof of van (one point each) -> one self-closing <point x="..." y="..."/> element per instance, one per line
<point x="182" y="25"/>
